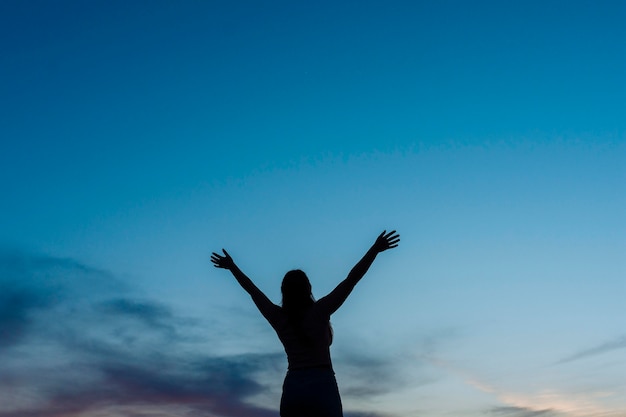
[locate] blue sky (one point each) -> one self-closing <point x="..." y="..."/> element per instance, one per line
<point x="137" y="137"/>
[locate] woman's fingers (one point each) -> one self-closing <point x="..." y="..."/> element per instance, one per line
<point x="392" y="238"/>
<point x="387" y="240"/>
<point x="217" y="259"/>
<point x="222" y="261"/>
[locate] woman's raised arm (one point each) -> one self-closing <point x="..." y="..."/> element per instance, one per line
<point x="336" y="297"/>
<point x="226" y="262"/>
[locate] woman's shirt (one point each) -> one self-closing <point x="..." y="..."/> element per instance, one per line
<point x="309" y="345"/>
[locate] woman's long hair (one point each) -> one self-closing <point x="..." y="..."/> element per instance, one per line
<point x="297" y="295"/>
<point x="297" y="299"/>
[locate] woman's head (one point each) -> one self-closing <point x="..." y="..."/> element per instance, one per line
<point x="297" y="299"/>
<point x="296" y="290"/>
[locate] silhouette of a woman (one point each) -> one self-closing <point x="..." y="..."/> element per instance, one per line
<point x="303" y="327"/>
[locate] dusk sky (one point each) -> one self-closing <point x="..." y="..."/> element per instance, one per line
<point x="136" y="137"/>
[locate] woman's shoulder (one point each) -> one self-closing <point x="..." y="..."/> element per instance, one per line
<point x="319" y="309"/>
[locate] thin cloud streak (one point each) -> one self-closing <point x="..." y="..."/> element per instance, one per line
<point x="616" y="344"/>
<point x="521" y="412"/>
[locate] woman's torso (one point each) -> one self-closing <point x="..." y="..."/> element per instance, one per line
<point x="307" y="341"/>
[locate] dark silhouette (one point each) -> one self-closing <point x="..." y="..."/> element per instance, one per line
<point x="303" y="327"/>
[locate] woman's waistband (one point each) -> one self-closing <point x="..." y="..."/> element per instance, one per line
<point x="306" y="368"/>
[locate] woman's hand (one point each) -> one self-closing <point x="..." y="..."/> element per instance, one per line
<point x="386" y="241"/>
<point x="220" y="261"/>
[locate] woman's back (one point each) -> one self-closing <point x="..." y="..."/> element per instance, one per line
<point x="306" y="341"/>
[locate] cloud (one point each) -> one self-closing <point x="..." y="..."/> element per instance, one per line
<point x="146" y="314"/>
<point x="619" y="343"/>
<point x="75" y="341"/>
<point x="16" y="308"/>
<point x="32" y="285"/>
<point x="543" y="402"/>
<point x="361" y="414"/>
<point x="521" y="412"/>
<point x="218" y="386"/>
<point x="548" y="403"/>
<point x="374" y="375"/>
<point x="368" y="377"/>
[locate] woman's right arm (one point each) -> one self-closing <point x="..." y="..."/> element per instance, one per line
<point x="336" y="297"/>
<point x="263" y="303"/>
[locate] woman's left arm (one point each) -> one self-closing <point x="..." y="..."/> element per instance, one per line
<point x="336" y="297"/>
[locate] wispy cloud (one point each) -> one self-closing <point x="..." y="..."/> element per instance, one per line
<point x="520" y="412"/>
<point x="17" y="306"/>
<point x="32" y="285"/>
<point x="69" y="347"/>
<point x="611" y="345"/>
<point x="369" y="376"/>
<point x="544" y="402"/>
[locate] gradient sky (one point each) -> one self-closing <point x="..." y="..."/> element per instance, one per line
<point x="137" y="137"/>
